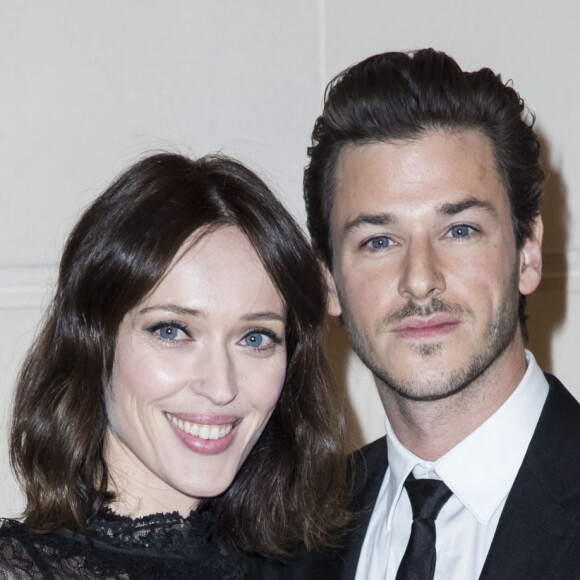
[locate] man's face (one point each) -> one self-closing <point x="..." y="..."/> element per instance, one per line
<point x="426" y="269"/>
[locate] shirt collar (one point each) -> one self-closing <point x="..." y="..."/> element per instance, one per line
<point x="472" y="469"/>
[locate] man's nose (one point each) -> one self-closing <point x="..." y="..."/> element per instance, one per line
<point x="422" y="276"/>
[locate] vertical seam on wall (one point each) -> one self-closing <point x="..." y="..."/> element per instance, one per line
<point x="322" y="45"/>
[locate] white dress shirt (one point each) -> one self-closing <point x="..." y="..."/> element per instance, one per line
<point x="480" y="471"/>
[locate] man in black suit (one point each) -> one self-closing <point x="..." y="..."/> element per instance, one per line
<point x="423" y="194"/>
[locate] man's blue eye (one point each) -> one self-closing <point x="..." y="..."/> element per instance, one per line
<point x="255" y="339"/>
<point x="460" y="231"/>
<point x="379" y="243"/>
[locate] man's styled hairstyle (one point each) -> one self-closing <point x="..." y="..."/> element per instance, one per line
<point x="397" y="96"/>
<point x="290" y="488"/>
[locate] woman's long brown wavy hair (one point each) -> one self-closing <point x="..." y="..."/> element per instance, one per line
<point x="291" y="489"/>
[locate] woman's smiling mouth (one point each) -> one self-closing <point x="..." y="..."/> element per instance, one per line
<point x="201" y="430"/>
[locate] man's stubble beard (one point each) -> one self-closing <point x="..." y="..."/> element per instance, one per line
<point x="498" y="335"/>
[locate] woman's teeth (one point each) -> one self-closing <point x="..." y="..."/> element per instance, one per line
<point x="199" y="429"/>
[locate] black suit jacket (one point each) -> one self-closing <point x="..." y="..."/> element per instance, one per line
<point x="538" y="534"/>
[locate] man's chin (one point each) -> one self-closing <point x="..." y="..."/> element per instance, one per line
<point x="429" y="385"/>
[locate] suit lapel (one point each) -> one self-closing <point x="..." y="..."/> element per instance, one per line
<point x="539" y="520"/>
<point x="533" y="533"/>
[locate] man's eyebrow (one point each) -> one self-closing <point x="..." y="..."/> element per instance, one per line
<point x="386" y="218"/>
<point x="379" y="219"/>
<point x="452" y="209"/>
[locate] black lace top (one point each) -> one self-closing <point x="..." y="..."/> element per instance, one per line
<point x="157" y="546"/>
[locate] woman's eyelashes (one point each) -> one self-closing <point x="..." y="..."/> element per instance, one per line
<point x="170" y="331"/>
<point x="257" y="339"/>
<point x="260" y="339"/>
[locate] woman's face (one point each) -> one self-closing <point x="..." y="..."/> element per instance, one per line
<point x="199" y="366"/>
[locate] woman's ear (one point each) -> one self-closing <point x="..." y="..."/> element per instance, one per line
<point x="332" y="303"/>
<point x="531" y="258"/>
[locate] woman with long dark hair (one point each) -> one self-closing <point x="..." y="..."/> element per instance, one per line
<point x="175" y="410"/>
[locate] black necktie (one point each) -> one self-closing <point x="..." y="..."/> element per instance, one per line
<point x="427" y="497"/>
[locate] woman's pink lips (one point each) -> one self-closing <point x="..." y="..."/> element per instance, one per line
<point x="207" y="418"/>
<point x="207" y="446"/>
<point x="432" y="327"/>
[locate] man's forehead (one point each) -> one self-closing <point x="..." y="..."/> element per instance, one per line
<point x="372" y="148"/>
<point x="442" y="167"/>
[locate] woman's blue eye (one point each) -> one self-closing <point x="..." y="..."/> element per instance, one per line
<point x="255" y="339"/>
<point x="168" y="332"/>
<point x="460" y="231"/>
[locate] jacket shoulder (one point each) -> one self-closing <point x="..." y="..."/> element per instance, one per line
<point x="368" y="465"/>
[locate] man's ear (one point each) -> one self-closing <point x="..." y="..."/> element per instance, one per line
<point x="332" y="304"/>
<point x="531" y="258"/>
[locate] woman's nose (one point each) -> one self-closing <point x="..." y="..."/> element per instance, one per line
<point x="215" y="376"/>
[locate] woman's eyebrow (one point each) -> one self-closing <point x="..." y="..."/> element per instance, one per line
<point x="173" y="308"/>
<point x="264" y="316"/>
<point x="183" y="311"/>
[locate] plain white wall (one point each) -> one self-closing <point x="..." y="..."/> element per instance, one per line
<point x="88" y="87"/>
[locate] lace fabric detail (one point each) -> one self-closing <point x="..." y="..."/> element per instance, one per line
<point x="167" y="534"/>
<point x="157" y="546"/>
<point x="16" y="562"/>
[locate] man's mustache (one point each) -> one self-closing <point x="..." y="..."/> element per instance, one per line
<point x="414" y="309"/>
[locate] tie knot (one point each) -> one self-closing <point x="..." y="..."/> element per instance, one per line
<point x="427" y="497"/>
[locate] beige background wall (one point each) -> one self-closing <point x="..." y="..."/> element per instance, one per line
<point x="87" y="87"/>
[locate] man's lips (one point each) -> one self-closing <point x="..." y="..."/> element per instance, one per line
<point x="426" y="327"/>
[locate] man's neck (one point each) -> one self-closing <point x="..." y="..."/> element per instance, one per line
<point x="429" y="429"/>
